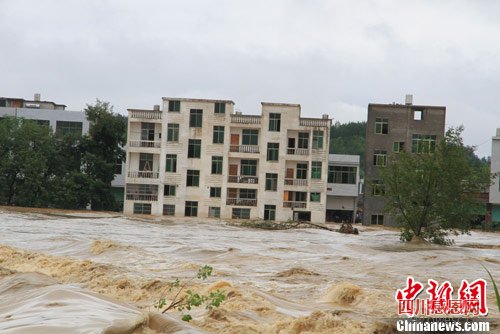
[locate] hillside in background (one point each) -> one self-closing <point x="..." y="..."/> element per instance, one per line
<point x="349" y="138"/>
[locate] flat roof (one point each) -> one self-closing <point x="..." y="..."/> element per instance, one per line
<point x="400" y="105"/>
<point x="274" y="104"/>
<point x="142" y="110"/>
<point x="31" y="101"/>
<point x="196" y="100"/>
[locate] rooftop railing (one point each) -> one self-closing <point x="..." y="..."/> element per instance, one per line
<point x="145" y="143"/>
<point x="244" y="148"/>
<point x="245" y="119"/>
<point x="294" y="205"/>
<point x="241" y="201"/>
<point x="143" y="174"/>
<point x="315" y="122"/>
<point x="145" y="114"/>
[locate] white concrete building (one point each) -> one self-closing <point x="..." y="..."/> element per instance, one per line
<point x="199" y="157"/>
<point x="60" y="120"/>
<point x="495" y="187"/>
<point x="343" y="187"/>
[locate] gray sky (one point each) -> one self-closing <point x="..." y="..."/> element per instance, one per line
<point x="332" y="57"/>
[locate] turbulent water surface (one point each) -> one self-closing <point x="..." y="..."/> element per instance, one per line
<point x="103" y="273"/>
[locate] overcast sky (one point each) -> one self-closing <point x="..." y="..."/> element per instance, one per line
<point x="332" y="57"/>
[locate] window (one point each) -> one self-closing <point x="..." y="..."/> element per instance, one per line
<point x="145" y="162"/>
<point x="250" y="137"/>
<point x="316" y="170"/>
<point x="191" y="209"/>
<point x="303" y="141"/>
<point x="142" y="208"/>
<point x="63" y="127"/>
<point x="273" y="150"/>
<point x="169" y="190"/>
<point x="248" y="193"/>
<point x="300" y="196"/>
<point x="193" y="178"/>
<point x="423" y="144"/>
<point x="417" y="115"/>
<point x="195" y="118"/>
<point x="217" y="165"/>
<point x="214" y="212"/>
<point x="301" y="171"/>
<point x="171" y="163"/>
<point x="381" y="126"/>
<point x="168" y="210"/>
<point x="380" y="158"/>
<point x="271" y="181"/>
<point x="248" y="168"/>
<point x="269" y="212"/>
<point x="315" y="197"/>
<point x="241" y="213"/>
<point x="398" y="146"/>
<point x="220" y="108"/>
<point x="218" y="135"/>
<point x="317" y="139"/>
<point x="215" y="191"/>
<point x="147" y="131"/>
<point x="377" y="219"/>
<point x="172" y="132"/>
<point x="174" y="106"/>
<point x="274" y="122"/>
<point x="378" y="188"/>
<point x="142" y="192"/>
<point x="194" y="148"/>
<point x="118" y="167"/>
<point x="342" y="174"/>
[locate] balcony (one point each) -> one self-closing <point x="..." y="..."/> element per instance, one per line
<point x="295" y="205"/>
<point x="143" y="174"/>
<point x="315" y="122"/>
<point x="297" y="151"/>
<point x="145" y="114"/>
<point x="242" y="179"/>
<point x="142" y="197"/>
<point x="245" y="119"/>
<point x="241" y="201"/>
<point x="145" y="143"/>
<point x="296" y="182"/>
<point x="244" y="148"/>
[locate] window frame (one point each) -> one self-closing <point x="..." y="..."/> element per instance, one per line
<point x="171" y="190"/>
<point x="219" y="108"/>
<point x="250" y="137"/>
<point x="192" y="178"/>
<point x="217" y="165"/>
<point x="174" y="106"/>
<point x="194" y="149"/>
<point x="273" y="153"/>
<point x="191" y="206"/>
<point x="318" y="139"/>
<point x="218" y="134"/>
<point x="274" y="122"/>
<point x="316" y="170"/>
<point x="381" y="126"/>
<point x="171" y="163"/>
<point x="271" y="182"/>
<point x="196" y="118"/>
<point x="172" y="132"/>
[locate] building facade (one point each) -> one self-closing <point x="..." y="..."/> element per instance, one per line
<point x="390" y="129"/>
<point x="199" y="157"/>
<point x="342" y="188"/>
<point x="61" y="121"/>
<point x="495" y="187"/>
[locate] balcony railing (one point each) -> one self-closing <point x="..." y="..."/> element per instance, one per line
<point x="244" y="148"/>
<point x="296" y="182"/>
<point x="316" y="122"/>
<point x="145" y="114"/>
<point x="241" y="201"/>
<point x="142" y="197"/>
<point x="295" y="205"/>
<point x="145" y="143"/>
<point x="242" y="179"/>
<point x="245" y="119"/>
<point x="298" y="151"/>
<point x="143" y="174"/>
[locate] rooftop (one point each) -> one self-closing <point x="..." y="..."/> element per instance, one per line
<point x="195" y="100"/>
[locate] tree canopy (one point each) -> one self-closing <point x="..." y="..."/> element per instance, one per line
<point x="349" y="138"/>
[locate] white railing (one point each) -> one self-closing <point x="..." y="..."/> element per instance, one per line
<point x="298" y="151"/>
<point x="295" y="205"/>
<point x="145" y="114"/>
<point x="296" y="182"/>
<point x="242" y="179"/>
<point x="143" y="174"/>
<point x="315" y="122"/>
<point x="241" y="201"/>
<point x="245" y="119"/>
<point x="145" y="143"/>
<point x="244" y="148"/>
<point x="142" y="197"/>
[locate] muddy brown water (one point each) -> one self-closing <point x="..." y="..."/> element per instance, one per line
<point x="86" y="274"/>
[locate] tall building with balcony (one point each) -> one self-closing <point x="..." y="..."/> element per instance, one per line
<point x="494" y="193"/>
<point x="200" y="158"/>
<point x="390" y="129"/>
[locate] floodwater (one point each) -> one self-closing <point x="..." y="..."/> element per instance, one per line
<point x="102" y="273"/>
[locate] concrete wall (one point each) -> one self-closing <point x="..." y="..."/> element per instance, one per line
<point x="495" y="168"/>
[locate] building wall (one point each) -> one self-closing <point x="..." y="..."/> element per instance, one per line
<point x="402" y="127"/>
<point x="495" y="168"/>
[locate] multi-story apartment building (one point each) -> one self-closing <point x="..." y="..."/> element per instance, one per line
<point x="390" y="129"/>
<point x="494" y="199"/>
<point x="199" y="157"/>
<point x="61" y="121"/>
<point x="343" y="188"/>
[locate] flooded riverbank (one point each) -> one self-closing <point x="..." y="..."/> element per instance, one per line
<point x="291" y="281"/>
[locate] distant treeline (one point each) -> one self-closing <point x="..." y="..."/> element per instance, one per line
<point x="39" y="168"/>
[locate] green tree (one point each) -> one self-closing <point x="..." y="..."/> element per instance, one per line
<point x="349" y="138"/>
<point x="101" y="151"/>
<point x="433" y="193"/>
